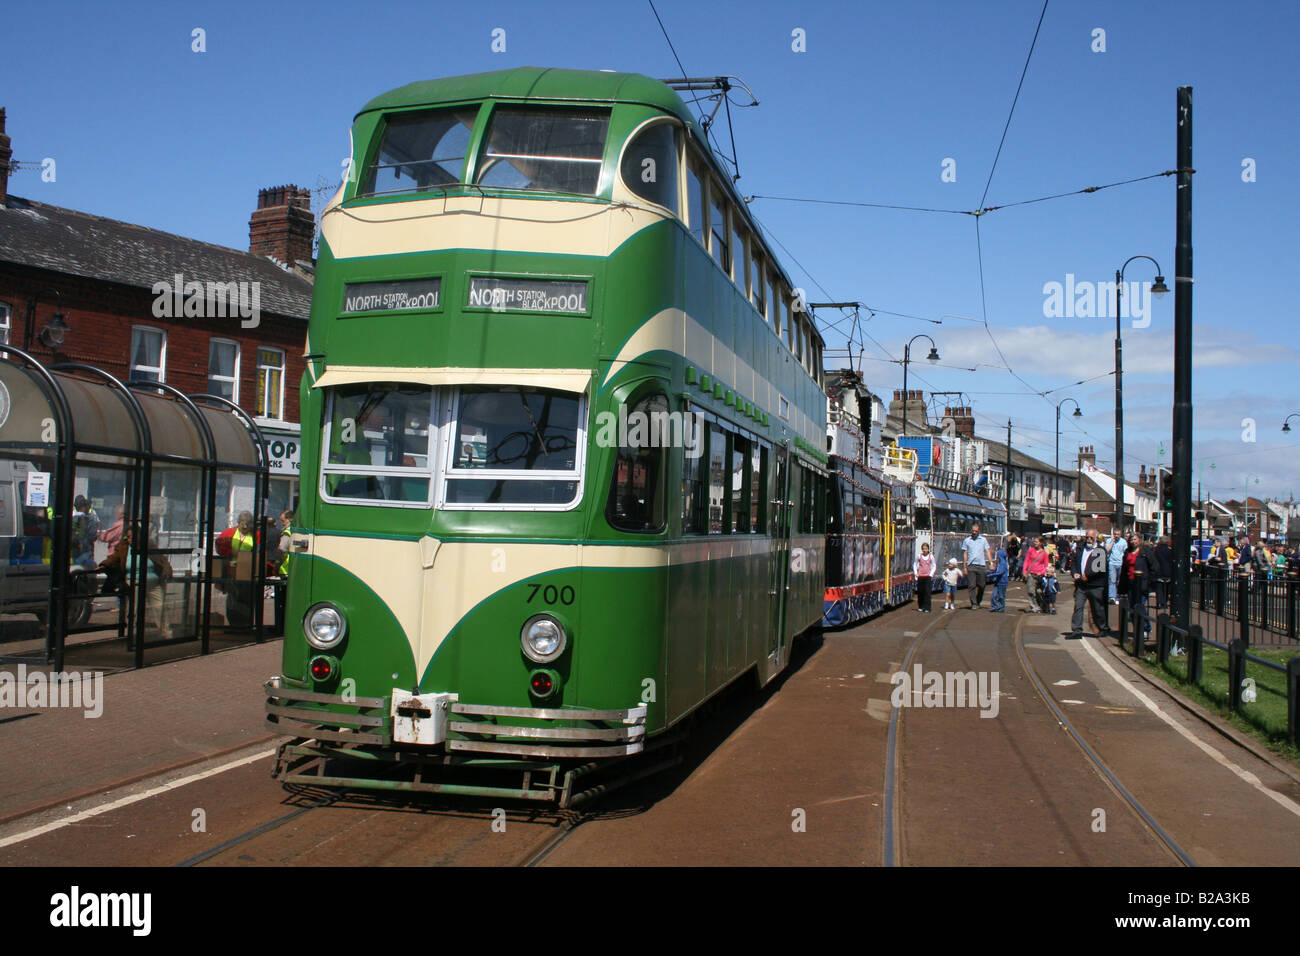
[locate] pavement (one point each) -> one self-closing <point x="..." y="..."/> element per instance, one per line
<point x="152" y="719"/>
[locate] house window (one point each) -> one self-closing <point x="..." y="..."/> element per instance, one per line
<point x="5" y="312"/>
<point x="148" y="354"/>
<point x="270" y="383"/>
<point x="223" y="369"/>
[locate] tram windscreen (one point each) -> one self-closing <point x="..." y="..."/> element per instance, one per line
<point x="377" y="445"/>
<point x="515" y="445"/>
<point x="419" y="151"/>
<point x="550" y="149"/>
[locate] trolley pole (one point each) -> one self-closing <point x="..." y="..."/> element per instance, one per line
<point x="1181" y="599"/>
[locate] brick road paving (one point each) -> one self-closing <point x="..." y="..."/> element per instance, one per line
<point x="152" y="718"/>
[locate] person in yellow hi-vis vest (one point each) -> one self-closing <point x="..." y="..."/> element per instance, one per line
<point x="239" y="598"/>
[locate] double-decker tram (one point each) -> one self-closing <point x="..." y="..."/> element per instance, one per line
<point x="869" y="543"/>
<point x="944" y="517"/>
<point x="562" y="477"/>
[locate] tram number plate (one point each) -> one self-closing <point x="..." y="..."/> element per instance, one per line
<point x="552" y="594"/>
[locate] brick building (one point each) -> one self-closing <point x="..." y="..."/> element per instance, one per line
<point x="145" y="304"/>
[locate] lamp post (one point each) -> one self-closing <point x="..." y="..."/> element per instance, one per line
<point x="907" y="357"/>
<point x="1158" y="289"/>
<point x="52" y="335"/>
<point x="1078" y="413"/>
<point x="1245" y="504"/>
<point x="1200" y="501"/>
<point x="1286" y="425"/>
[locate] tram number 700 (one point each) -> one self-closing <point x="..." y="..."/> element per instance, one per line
<point x="551" y="594"/>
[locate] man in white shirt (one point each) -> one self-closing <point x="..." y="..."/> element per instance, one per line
<point x="975" y="561"/>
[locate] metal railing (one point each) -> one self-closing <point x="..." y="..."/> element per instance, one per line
<point x="1193" y="643"/>
<point x="1252" y="604"/>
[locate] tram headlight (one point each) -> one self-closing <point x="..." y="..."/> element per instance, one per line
<point x="324" y="626"/>
<point x="543" y="638"/>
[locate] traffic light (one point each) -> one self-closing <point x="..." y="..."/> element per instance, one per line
<point x="1166" y="483"/>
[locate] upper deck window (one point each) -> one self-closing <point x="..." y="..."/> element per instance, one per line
<point x="551" y="149"/>
<point x="650" y="165"/>
<point x="419" y="151"/>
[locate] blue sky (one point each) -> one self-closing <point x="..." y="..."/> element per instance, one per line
<point x="146" y="130"/>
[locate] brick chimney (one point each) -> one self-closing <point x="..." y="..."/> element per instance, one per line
<point x="962" y="419"/>
<point x="1087" y="456"/>
<point x="915" y="407"/>
<point x="6" y="154"/>
<point x="282" y="226"/>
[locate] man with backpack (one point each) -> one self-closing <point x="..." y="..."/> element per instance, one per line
<point x="1091" y="576"/>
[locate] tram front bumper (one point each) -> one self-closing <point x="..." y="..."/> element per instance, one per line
<point x="441" y="720"/>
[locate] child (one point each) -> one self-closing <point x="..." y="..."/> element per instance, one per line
<point x="951" y="576"/>
<point x="1049" y="589"/>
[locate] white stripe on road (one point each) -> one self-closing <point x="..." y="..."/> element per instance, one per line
<point x="1215" y="755"/>
<point x="133" y="798"/>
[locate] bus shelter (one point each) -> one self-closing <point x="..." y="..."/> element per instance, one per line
<point x="115" y="493"/>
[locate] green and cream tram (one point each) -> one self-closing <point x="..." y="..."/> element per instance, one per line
<point x="562" y="431"/>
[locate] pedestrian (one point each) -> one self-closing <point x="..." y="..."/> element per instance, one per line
<point x="998" y="577"/>
<point x="239" y="594"/>
<point x="1036" y="565"/>
<point x="1115" y="549"/>
<point x="1134" y="581"/>
<point x="951" y="578"/>
<point x="1013" y="545"/>
<point x="1050" y="589"/>
<point x="976" y="552"/>
<point x="1090" y="573"/>
<point x="1164" y="571"/>
<point x="923" y="572"/>
<point x="85" y="531"/>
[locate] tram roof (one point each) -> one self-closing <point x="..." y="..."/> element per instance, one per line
<point x="534" y="82"/>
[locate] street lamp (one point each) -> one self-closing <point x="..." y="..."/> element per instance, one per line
<point x="52" y="335"/>
<point x="1078" y="413"/>
<point x="1158" y="289"/>
<point x="1245" y="504"/>
<point x="907" y="357"/>
<point x="1286" y="425"/>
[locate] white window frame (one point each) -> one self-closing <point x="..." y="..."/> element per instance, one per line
<point x="284" y="368"/>
<point x="6" y="313"/>
<point x="427" y="472"/>
<point x="161" y="368"/>
<point x="450" y="421"/>
<point x="234" y="382"/>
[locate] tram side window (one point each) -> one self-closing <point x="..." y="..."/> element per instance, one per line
<point x="718" y="227"/>
<point x="636" y="495"/>
<point x="420" y="151"/>
<point x="738" y="257"/>
<point x="717" y="480"/>
<point x="550" y="149"/>
<point x="757" y="462"/>
<point x="650" y="165"/>
<point x="695" y="200"/>
<point x="694" y="514"/>
<point x="739" y="484"/>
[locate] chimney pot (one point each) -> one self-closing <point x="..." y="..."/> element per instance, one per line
<point x="282" y="225"/>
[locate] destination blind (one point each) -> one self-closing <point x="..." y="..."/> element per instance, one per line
<point x="392" y="296"/>
<point x="528" y="295"/>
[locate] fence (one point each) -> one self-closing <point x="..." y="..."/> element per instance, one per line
<point x="1259" y="607"/>
<point x="1189" y="642"/>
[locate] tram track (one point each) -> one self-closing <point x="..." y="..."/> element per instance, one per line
<point x="892" y="836"/>
<point x="1112" y="780"/>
